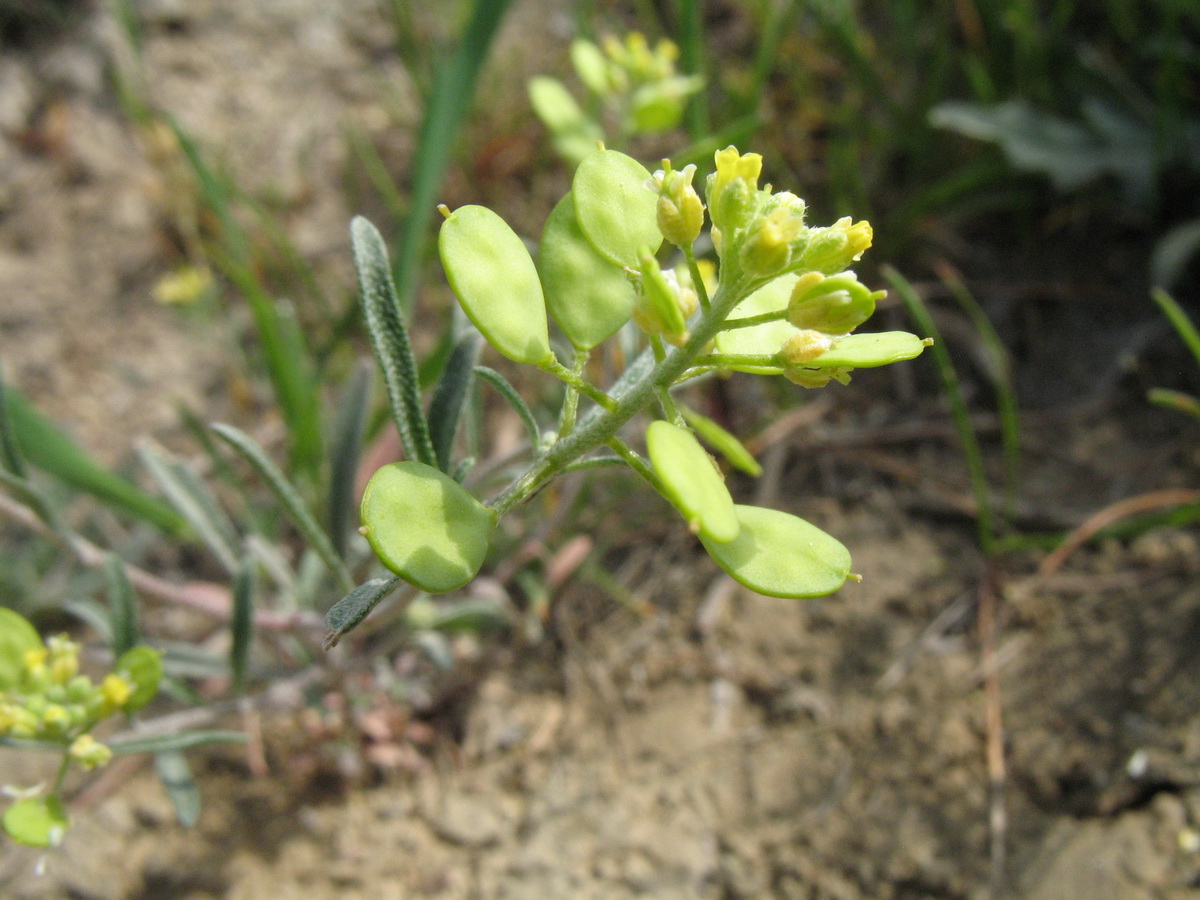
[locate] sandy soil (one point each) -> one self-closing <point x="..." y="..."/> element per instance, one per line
<point x="694" y="741"/>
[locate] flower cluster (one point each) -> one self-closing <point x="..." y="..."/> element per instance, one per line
<point x="44" y="697"/>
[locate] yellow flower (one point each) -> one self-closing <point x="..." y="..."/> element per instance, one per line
<point x="680" y="211"/>
<point x="89" y="752"/>
<point x="116" y="691"/>
<point x="731" y="189"/>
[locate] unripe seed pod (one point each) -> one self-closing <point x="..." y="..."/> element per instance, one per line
<point x="834" y="305"/>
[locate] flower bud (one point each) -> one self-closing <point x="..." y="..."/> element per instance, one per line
<point x="680" y="211"/>
<point x="63" y="659"/>
<point x="89" y="752"/>
<point x="116" y="691"/>
<point x="834" y="305"/>
<point x="732" y="190"/>
<point x="829" y="250"/>
<point x="79" y="689"/>
<point x="662" y="306"/>
<point x="55" y="719"/>
<point x="803" y="347"/>
<point x="768" y="245"/>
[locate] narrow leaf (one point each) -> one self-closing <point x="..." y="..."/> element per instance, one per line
<point x="173" y="743"/>
<point x="345" y="615"/>
<point x="46" y="446"/>
<point x="389" y="337"/>
<point x="188" y="494"/>
<point x="176" y="776"/>
<point x="287" y="495"/>
<point x="242" y="625"/>
<point x="345" y="452"/>
<point x="449" y="103"/>
<point x="446" y="406"/>
<point x="10" y="453"/>
<point x="122" y="606"/>
<point x="509" y="393"/>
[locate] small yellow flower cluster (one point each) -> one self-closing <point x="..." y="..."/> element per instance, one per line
<point x="47" y="699"/>
<point x="763" y="232"/>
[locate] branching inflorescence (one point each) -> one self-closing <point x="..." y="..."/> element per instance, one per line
<point x="780" y="301"/>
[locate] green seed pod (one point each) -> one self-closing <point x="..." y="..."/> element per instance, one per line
<point x="425" y="527"/>
<point x="691" y="481"/>
<point x="615" y="210"/>
<point x="588" y="296"/>
<point x="496" y="282"/>
<point x="781" y="555"/>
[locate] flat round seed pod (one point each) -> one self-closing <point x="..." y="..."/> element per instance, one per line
<point x="864" y="351"/>
<point x="425" y="527"/>
<point x="495" y="280"/>
<point x="691" y="482"/>
<point x="588" y="295"/>
<point x="781" y="555"/>
<point x="765" y="339"/>
<point x="615" y="209"/>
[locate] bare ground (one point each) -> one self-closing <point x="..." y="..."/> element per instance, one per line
<point x="693" y="741"/>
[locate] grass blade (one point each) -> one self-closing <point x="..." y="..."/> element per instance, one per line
<point x="344" y="453"/>
<point x="381" y="308"/>
<point x="446" y="407"/>
<point x="345" y="615"/>
<point x="453" y="87"/>
<point x="288" y="496"/>
<point x="1179" y="319"/>
<point x="509" y="393"/>
<point x="952" y="391"/>
<point x="10" y="453"/>
<point x="44" y="445"/>
<point x="691" y="59"/>
<point x="999" y="372"/>
<point x="188" y="494"/>
<point x="122" y="607"/>
<point x="242" y="625"/>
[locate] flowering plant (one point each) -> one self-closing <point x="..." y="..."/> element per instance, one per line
<point x="782" y="301"/>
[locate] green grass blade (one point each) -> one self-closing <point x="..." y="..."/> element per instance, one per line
<point x="509" y="393"/>
<point x="1179" y="320"/>
<point x="449" y="103"/>
<point x="952" y="391"/>
<point x="345" y="452"/>
<point x="242" y="625"/>
<point x="999" y="372"/>
<point x="188" y="494"/>
<point x="122" y="607"/>
<point x="691" y="59"/>
<point x="288" y="496"/>
<point x="446" y="407"/>
<point x="377" y="172"/>
<point x="381" y="308"/>
<point x="44" y="445"/>
<point x="10" y="453"/>
<point x="287" y="359"/>
<point x="345" y="615"/>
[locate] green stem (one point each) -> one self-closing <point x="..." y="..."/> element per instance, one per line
<point x="750" y="321"/>
<point x="566" y="421"/>
<point x="635" y="461"/>
<point x="61" y="776"/>
<point x="741" y="359"/>
<point x="598" y="427"/>
<point x="572" y="379"/>
<point x="697" y="278"/>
